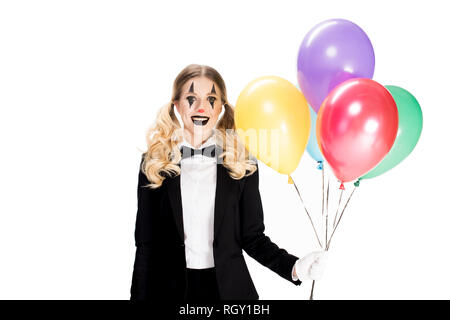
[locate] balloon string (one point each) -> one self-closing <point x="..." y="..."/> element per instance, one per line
<point x="326" y="223"/>
<point x="311" y="296"/>
<point x="323" y="202"/>
<point x="312" y="223"/>
<point x="323" y="190"/>
<point x="337" y="209"/>
<point x="340" y="217"/>
<point x="356" y="184"/>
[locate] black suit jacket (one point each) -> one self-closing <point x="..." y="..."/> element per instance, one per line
<point x="160" y="263"/>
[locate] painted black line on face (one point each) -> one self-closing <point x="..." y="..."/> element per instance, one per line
<point x="190" y="98"/>
<point x="212" y="99"/>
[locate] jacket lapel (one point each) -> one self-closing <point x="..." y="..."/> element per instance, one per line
<point x="174" y="192"/>
<point x="219" y="201"/>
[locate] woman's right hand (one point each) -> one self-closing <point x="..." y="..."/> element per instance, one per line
<point x="311" y="266"/>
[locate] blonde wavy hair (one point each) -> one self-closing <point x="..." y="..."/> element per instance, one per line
<point x="162" y="155"/>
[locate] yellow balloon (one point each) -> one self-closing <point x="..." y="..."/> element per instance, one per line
<point x="273" y="121"/>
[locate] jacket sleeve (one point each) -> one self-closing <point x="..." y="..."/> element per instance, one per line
<point x="144" y="235"/>
<point x="255" y="243"/>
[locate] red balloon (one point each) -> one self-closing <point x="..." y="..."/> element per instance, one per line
<point x="356" y="127"/>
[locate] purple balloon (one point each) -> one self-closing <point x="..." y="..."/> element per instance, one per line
<point x="332" y="52"/>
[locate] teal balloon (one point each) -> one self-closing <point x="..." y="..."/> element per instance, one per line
<point x="313" y="146"/>
<point x="410" y="122"/>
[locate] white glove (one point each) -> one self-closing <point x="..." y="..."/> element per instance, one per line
<point x="311" y="266"/>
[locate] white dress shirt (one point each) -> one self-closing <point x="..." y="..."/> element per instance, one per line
<point x="198" y="191"/>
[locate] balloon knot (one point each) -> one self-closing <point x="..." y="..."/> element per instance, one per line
<point x="342" y="186"/>
<point x="320" y="166"/>
<point x="290" y="181"/>
<point x="357" y="183"/>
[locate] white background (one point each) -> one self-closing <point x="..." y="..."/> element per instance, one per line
<point x="81" y="81"/>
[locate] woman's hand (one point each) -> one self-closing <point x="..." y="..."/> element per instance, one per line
<point x="311" y="266"/>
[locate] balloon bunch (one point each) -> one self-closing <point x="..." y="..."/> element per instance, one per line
<point x="359" y="127"/>
<point x="362" y="129"/>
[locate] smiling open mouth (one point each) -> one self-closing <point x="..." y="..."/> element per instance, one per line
<point x="200" y="120"/>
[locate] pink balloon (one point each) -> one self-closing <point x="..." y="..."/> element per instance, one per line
<point x="356" y="127"/>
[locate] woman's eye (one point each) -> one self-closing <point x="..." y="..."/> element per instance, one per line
<point x="211" y="101"/>
<point x="191" y="100"/>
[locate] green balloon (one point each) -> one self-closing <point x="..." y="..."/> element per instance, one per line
<point x="410" y="122"/>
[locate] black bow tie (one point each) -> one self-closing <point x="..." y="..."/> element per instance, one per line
<point x="209" y="151"/>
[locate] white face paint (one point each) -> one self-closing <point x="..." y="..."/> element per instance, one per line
<point x="199" y="107"/>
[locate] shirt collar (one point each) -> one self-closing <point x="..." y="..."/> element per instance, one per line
<point x="211" y="140"/>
